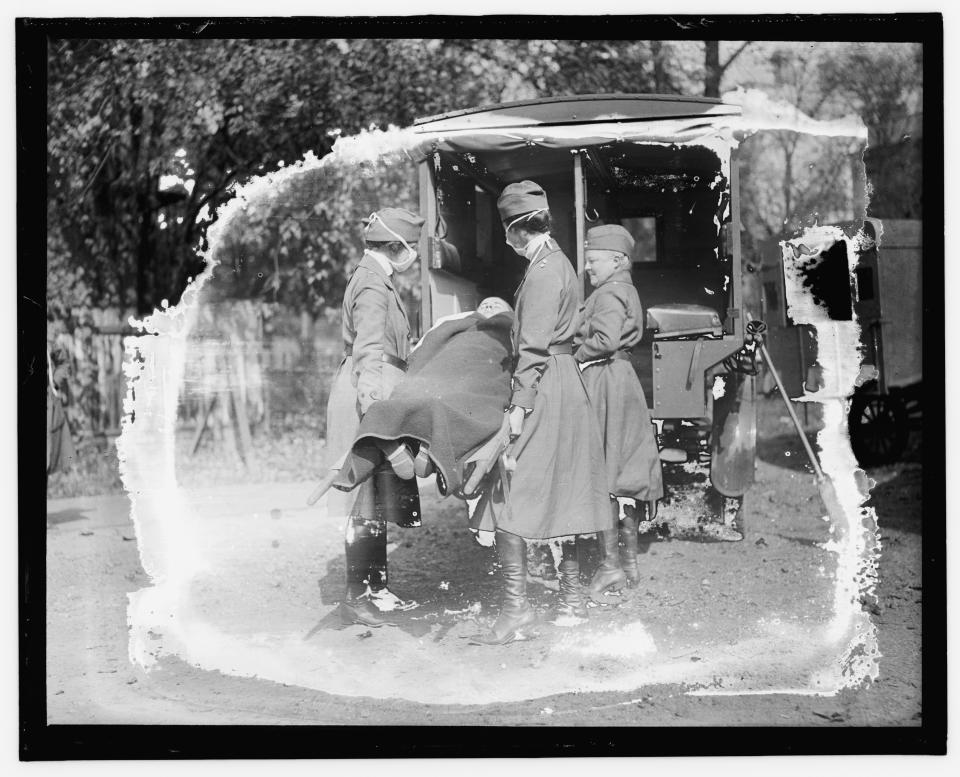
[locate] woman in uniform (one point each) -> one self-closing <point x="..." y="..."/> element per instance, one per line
<point x="611" y="325"/>
<point x="558" y="488"/>
<point x="376" y="338"/>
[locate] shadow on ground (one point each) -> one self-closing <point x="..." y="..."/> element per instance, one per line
<point x="898" y="497"/>
<point x="66" y="516"/>
<point x="448" y="573"/>
<point x="786" y="450"/>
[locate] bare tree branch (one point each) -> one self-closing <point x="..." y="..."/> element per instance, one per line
<point x="733" y="56"/>
<point x="96" y="172"/>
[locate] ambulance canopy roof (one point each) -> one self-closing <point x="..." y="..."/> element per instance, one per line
<point x="579" y="109"/>
<point x="538" y="134"/>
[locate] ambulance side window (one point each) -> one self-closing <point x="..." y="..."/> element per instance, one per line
<point x="644" y="232"/>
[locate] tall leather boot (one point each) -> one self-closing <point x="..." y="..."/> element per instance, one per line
<point x="609" y="575"/>
<point x="516" y="612"/>
<point x="365" y="549"/>
<point x="629" y="544"/>
<point x="571" y="595"/>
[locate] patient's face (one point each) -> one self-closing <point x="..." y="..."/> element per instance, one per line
<point x="491" y="306"/>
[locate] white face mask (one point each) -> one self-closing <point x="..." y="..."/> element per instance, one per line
<point x="533" y="245"/>
<point x="404" y="264"/>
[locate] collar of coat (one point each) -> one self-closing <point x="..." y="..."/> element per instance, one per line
<point x="369" y="262"/>
<point x="550" y="246"/>
<point x="620" y="276"/>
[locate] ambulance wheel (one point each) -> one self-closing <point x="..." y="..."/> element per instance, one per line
<point x="878" y="428"/>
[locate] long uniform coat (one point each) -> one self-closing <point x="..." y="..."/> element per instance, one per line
<point x="60" y="450"/>
<point x="374" y="324"/>
<point x="559" y="486"/>
<point x="611" y="321"/>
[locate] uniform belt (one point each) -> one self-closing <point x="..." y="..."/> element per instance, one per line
<point x="394" y="361"/>
<point x="616" y="356"/>
<point x="559" y="350"/>
<point x="386" y="358"/>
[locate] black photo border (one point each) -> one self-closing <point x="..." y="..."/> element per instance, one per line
<point x="39" y="741"/>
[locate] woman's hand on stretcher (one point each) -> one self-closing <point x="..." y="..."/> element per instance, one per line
<point x="515" y="415"/>
<point x="485" y="457"/>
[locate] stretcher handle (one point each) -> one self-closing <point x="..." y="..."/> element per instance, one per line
<point x="324" y="486"/>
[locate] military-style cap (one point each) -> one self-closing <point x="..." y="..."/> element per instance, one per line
<point x="519" y="198"/>
<point x="391" y="224"/>
<point x="610" y="237"/>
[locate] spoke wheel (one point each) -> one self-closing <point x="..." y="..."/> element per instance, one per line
<point x="878" y="428"/>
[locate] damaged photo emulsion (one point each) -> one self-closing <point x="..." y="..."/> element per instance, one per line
<point x="246" y="583"/>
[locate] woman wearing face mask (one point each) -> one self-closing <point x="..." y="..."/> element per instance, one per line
<point x="558" y="488"/>
<point x="611" y="324"/>
<point x="376" y="338"/>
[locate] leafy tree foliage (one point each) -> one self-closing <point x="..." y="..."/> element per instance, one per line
<point x="119" y="113"/>
<point x="147" y="138"/>
<point x="299" y="244"/>
<point x="884" y="84"/>
<point x="789" y="179"/>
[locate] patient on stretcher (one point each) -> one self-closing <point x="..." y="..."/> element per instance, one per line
<point x="448" y="404"/>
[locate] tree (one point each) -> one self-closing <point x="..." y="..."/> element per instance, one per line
<point x="127" y="115"/>
<point x="148" y="137"/>
<point x="124" y="114"/>
<point x="713" y="69"/>
<point x="884" y="84"/>
<point x="790" y="179"/>
<point x="298" y="244"/>
<point x="297" y="247"/>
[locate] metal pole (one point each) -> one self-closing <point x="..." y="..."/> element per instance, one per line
<point x="428" y="209"/>
<point x="793" y="416"/>
<point x="578" y="209"/>
<point x="801" y="344"/>
<point x="733" y="232"/>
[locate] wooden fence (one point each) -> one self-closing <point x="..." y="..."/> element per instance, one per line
<point x="91" y="351"/>
<point x="237" y="383"/>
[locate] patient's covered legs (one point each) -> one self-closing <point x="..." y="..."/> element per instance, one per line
<point x="399" y="458"/>
<point x="422" y="464"/>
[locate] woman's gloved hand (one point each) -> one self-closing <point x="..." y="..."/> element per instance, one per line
<point x="483" y="460"/>
<point x="516" y="415"/>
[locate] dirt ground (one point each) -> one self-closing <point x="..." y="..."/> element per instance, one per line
<point x="274" y="577"/>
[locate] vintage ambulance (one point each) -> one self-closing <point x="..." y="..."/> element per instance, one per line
<point x="664" y="167"/>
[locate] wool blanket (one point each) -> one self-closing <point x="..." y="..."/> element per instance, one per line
<point x="451" y="399"/>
